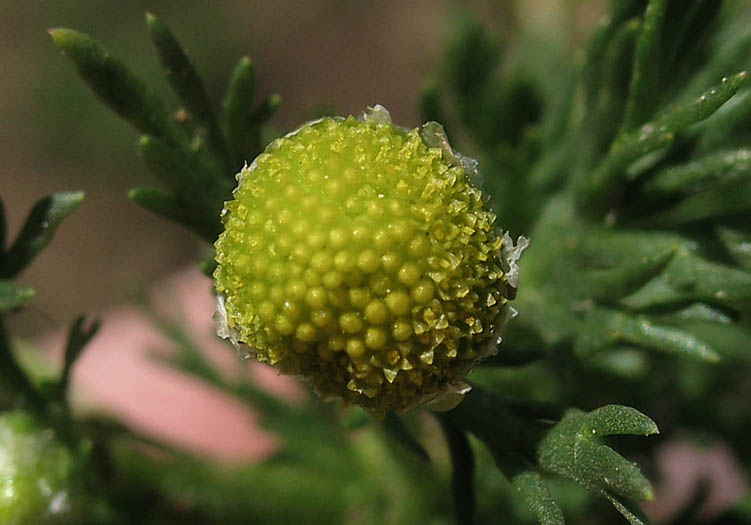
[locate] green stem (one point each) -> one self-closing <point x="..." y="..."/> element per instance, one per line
<point x="510" y="439"/>
<point x="33" y="399"/>
<point x="463" y="476"/>
<point x="13" y="375"/>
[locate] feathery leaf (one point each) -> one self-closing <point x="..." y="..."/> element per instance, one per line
<point x="38" y="230"/>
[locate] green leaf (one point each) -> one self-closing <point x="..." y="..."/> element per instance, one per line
<point x="634" y="516"/>
<point x="681" y="117"/>
<point x="166" y="206"/>
<point x="198" y="200"/>
<point x="596" y="190"/>
<point x="167" y="164"/>
<point x="14" y="380"/>
<point x="572" y="449"/>
<point x="612" y="284"/>
<point x="463" y="473"/>
<point x="622" y="361"/>
<point x="241" y="132"/>
<point x="702" y="173"/>
<point x="732" y="56"/>
<point x="117" y="87"/>
<point x="612" y="88"/>
<point x="644" y="74"/>
<point x="698" y="312"/>
<point x="703" y="280"/>
<point x="158" y="202"/>
<point x="534" y="491"/>
<point x="726" y="129"/>
<point x="612" y="420"/>
<point x="603" y="329"/>
<point x="472" y="58"/>
<point x="724" y="199"/>
<point x="12" y="296"/>
<point x="243" y="123"/>
<point x="186" y="83"/>
<point x="738" y="243"/>
<point x="730" y="340"/>
<point x="601" y="42"/>
<point x="38" y="230"/>
<point x="79" y="336"/>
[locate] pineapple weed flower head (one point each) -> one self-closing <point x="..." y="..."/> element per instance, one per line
<point x="363" y="258"/>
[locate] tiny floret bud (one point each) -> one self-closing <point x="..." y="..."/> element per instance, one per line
<point x="364" y="258"/>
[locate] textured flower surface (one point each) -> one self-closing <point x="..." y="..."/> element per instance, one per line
<point x="363" y="258"/>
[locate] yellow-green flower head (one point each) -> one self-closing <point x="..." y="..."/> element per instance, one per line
<point x="363" y="258"/>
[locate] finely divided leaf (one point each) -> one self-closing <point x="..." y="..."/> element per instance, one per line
<point x="572" y="449"/>
<point x="79" y="336"/>
<point x="724" y="199"/>
<point x="13" y="297"/>
<point x="703" y="280"/>
<point x="158" y="202"/>
<point x="738" y="244"/>
<point x="186" y="83"/>
<point x="611" y="420"/>
<point x="702" y="173"/>
<point x="167" y="164"/>
<point x="634" y="515"/>
<point x="116" y="86"/>
<point x="241" y="133"/>
<point x="38" y="230"/>
<point x="645" y="72"/>
<point x="596" y="190"/>
<point x="612" y="284"/>
<point x="603" y="329"/>
<point x="163" y="204"/>
<point x="534" y="491"/>
<point x="243" y="123"/>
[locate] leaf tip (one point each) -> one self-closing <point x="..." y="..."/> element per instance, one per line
<point x="71" y="200"/>
<point x="64" y="38"/>
<point x="134" y="193"/>
<point x="652" y="429"/>
<point x="153" y="24"/>
<point x="77" y="196"/>
<point x="712" y="357"/>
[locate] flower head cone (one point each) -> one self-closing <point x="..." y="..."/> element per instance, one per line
<point x="363" y="258"/>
